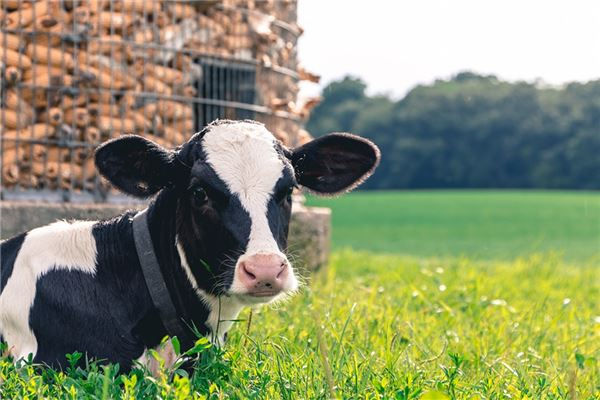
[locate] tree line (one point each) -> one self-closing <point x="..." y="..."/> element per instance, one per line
<point x="473" y="131"/>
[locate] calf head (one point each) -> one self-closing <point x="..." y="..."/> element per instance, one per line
<point x="234" y="183"/>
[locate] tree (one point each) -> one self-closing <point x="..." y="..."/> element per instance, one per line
<point x="473" y="131"/>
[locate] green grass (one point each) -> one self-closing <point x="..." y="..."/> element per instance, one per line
<point x="479" y="224"/>
<point x="497" y="296"/>
<point x="374" y="326"/>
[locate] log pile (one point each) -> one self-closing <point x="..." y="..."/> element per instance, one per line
<point x="75" y="73"/>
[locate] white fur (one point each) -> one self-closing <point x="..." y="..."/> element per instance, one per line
<point x="61" y="245"/>
<point x="222" y="309"/>
<point x="244" y="156"/>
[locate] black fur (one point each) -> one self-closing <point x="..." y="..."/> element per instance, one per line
<point x="8" y="253"/>
<point x="75" y="311"/>
<point x="279" y="208"/>
<point x="135" y="165"/>
<point x="110" y="315"/>
<point x="334" y="163"/>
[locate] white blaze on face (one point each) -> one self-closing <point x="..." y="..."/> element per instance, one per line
<point x="244" y="156"/>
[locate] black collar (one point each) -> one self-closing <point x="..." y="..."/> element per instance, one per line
<point x="155" y="281"/>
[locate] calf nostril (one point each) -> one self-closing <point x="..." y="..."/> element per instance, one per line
<point x="250" y="274"/>
<point x="283" y="265"/>
<point x="283" y="269"/>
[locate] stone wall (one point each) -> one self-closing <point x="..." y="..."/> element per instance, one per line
<point x="309" y="229"/>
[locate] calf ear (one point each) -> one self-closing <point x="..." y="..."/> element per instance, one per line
<point x="135" y="165"/>
<point x="334" y="163"/>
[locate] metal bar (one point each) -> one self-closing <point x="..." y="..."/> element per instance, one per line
<point x="195" y="53"/>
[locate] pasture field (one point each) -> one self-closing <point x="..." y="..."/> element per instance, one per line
<point x="484" y="225"/>
<point x="385" y="327"/>
<point x="455" y="295"/>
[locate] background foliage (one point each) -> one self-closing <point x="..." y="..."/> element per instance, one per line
<point x="473" y="131"/>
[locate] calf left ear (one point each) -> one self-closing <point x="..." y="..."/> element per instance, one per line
<point x="334" y="163"/>
<point x="135" y="165"/>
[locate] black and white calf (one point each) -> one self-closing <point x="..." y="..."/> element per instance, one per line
<point x="218" y="229"/>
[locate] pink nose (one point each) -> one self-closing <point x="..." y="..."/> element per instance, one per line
<point x="263" y="274"/>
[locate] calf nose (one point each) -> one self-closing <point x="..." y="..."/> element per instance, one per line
<point x="263" y="274"/>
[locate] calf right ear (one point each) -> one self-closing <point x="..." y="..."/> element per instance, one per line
<point x="334" y="163"/>
<point x="135" y="165"/>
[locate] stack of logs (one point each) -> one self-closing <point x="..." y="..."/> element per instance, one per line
<point x="78" y="72"/>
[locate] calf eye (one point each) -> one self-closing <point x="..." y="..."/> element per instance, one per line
<point x="286" y="195"/>
<point x="200" y="196"/>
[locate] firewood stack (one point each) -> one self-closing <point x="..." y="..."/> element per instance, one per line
<point x="75" y="73"/>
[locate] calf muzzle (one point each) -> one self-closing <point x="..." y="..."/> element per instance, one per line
<point x="263" y="275"/>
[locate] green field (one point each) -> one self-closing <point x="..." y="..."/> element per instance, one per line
<point x="478" y="224"/>
<point x="490" y="295"/>
<point x="386" y="327"/>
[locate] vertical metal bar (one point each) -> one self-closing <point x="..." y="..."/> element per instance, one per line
<point x="3" y="145"/>
<point x="93" y="90"/>
<point x="68" y="193"/>
<point x="85" y="146"/>
<point x="161" y="104"/>
<point x="140" y="61"/>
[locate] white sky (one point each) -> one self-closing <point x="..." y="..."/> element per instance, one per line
<point x="396" y="44"/>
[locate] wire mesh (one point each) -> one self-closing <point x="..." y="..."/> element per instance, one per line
<point x="76" y="73"/>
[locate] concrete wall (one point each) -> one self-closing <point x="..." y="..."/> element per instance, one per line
<point x="309" y="230"/>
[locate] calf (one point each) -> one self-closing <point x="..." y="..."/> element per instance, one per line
<point x="211" y="241"/>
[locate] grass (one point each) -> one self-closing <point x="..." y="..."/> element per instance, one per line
<point x="479" y="224"/>
<point x="496" y="296"/>
<point x="386" y="327"/>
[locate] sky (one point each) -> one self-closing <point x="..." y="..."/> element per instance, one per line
<point x="394" y="45"/>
